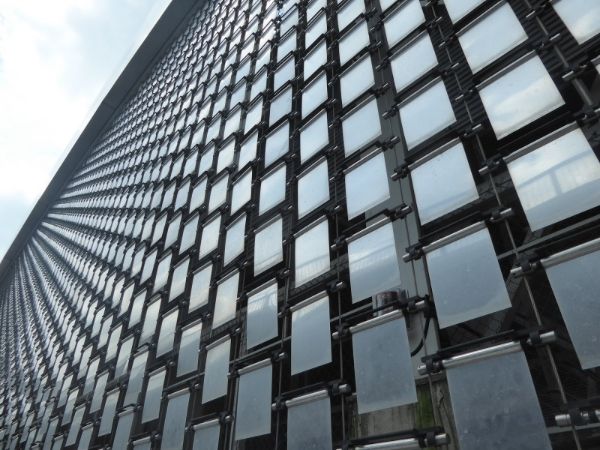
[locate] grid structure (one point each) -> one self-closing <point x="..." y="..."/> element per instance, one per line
<point x="358" y="224"/>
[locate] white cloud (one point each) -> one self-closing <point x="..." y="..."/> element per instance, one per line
<point x="56" y="58"/>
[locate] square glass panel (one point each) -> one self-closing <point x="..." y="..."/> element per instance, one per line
<point x="206" y="436"/>
<point x="123" y="359"/>
<point x="315" y="29"/>
<point x="361" y="126"/>
<point x="286" y="45"/>
<point x="162" y="273"/>
<point x="187" y="359"/>
<point x="443" y="183"/>
<point x="179" y="278"/>
<point x="373" y="263"/>
<point x="311" y="334"/>
<point x="254" y="115"/>
<point x="518" y="97"/>
<point x="457" y="9"/>
<point x="575" y="284"/>
<point x="277" y="143"/>
<point x="357" y="80"/>
<point x="241" y="191"/>
<point x="267" y="251"/>
<point x="280" y="105"/>
<point x="466" y="281"/>
<point x="137" y="308"/>
<point x="225" y="302"/>
<point x="175" y="421"/>
<point x="210" y="236"/>
<point x="234" y="240"/>
<point x="314" y="95"/>
<point x="491" y="36"/>
<point x="581" y="17"/>
<point x="136" y="378"/>
<point x="206" y="162"/>
<point x="188" y="237"/>
<point x="311" y="257"/>
<point x="353" y="42"/>
<point x="200" y="287"/>
<point x="558" y="179"/>
<point x="284" y="73"/>
<point x="150" y="321"/>
<point x="148" y="266"/>
<point x="153" y="396"/>
<point x="167" y="332"/>
<point x="272" y="189"/>
<point x="309" y="424"/>
<point x="218" y="193"/>
<point x="232" y="124"/>
<point x="261" y="322"/>
<point x="372" y="173"/>
<point x="198" y="195"/>
<point x="216" y="369"/>
<point x="315" y="59"/>
<point x="313" y="188"/>
<point x="508" y="414"/>
<point x="427" y="113"/>
<point x="172" y="231"/>
<point x="248" y="150"/>
<point x="350" y="11"/>
<point x="108" y="413"/>
<point x="413" y="61"/>
<point x="226" y="154"/>
<point x="401" y="22"/>
<point x="75" y="425"/>
<point x="182" y="195"/>
<point x="113" y="342"/>
<point x="121" y="437"/>
<point x="382" y="364"/>
<point x="98" y="392"/>
<point x="253" y="415"/>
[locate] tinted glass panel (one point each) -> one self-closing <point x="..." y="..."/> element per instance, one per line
<point x="267" y="248"/>
<point x="313" y="188"/>
<point x="581" y="17"/>
<point x="261" y="323"/>
<point x="403" y="21"/>
<point x="200" y="287"/>
<point x="311" y="335"/>
<point x="309" y="425"/>
<point x="179" y="278"/>
<point x="372" y="173"/>
<point x="277" y="144"/>
<point x="241" y="192"/>
<point x="206" y="437"/>
<point x="314" y="94"/>
<point x="353" y="41"/>
<point x="167" y="333"/>
<point x="174" y="427"/>
<point x="187" y="360"/>
<point x="153" y="396"/>
<point x="357" y="80"/>
<point x="253" y="416"/>
<point x="412" y="62"/>
<point x="361" y="126"/>
<point x="215" y="372"/>
<point x="225" y="303"/>
<point x="312" y="253"/>
<point x="314" y="137"/>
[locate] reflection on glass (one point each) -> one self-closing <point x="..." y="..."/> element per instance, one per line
<point x="315" y="59"/>
<point x="426" y="114"/>
<point x="443" y="183"/>
<point x="353" y="42"/>
<point x="403" y="21"/>
<point x="284" y="73"/>
<point x="216" y="369"/>
<point x="361" y="126"/>
<point x="313" y="188"/>
<point x="466" y="281"/>
<point x="312" y="252"/>
<point x="200" y="287"/>
<point x="373" y="263"/>
<point x="121" y="437"/>
<point x="253" y="115"/>
<point x="314" y="137"/>
<point x="108" y="413"/>
<point x="210" y="236"/>
<point x="315" y="29"/>
<point x="272" y="189"/>
<point x="150" y="321"/>
<point x="167" y="332"/>
<point x="350" y="11"/>
<point x="382" y="364"/>
<point x="314" y="94"/>
<point x="261" y="321"/>
<point x="581" y="17"/>
<point x="226" y="154"/>
<point x="309" y="423"/>
<point x="248" y="150"/>
<point x="206" y="436"/>
<point x="371" y="173"/>
<point x="136" y="378"/>
<point x="179" y="278"/>
<point x="218" y="193"/>
<point x="491" y="37"/>
<point x="187" y="359"/>
<point x="413" y="61"/>
<point x="277" y="144"/>
<point x="557" y="180"/>
<point x="153" y="396"/>
<point x="225" y="303"/>
<point x="234" y="240"/>
<point x="162" y="273"/>
<point x="268" y="249"/>
<point x="507" y="413"/>
<point x="198" y="195"/>
<point x="457" y="9"/>
<point x="519" y="97"/>
<point x="357" y="80"/>
<point x="280" y="105"/>
<point x="241" y="191"/>
<point x="253" y="415"/>
<point x="175" y="420"/>
<point x="311" y="336"/>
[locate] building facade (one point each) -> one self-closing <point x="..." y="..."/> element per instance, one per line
<point x="364" y="224"/>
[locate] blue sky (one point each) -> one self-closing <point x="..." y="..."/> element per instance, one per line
<point x="57" y="60"/>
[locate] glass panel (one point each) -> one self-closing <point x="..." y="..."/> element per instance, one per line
<point x="113" y="342"/>
<point x="148" y="266"/>
<point x="286" y="45"/>
<point x="315" y="59"/>
<point x="312" y="252"/>
<point x="315" y="29"/>
<point x="426" y="114"/>
<point x="280" y="105"/>
<point x="123" y="359"/>
<point x="353" y="42"/>
<point x="248" y="150"/>
<point x="373" y="263"/>
<point x="272" y="189"/>
<point x="313" y="188"/>
<point x="215" y="371"/>
<point x="267" y="252"/>
<point x="175" y="421"/>
<point x="371" y="173"/>
<point x="162" y="273"/>
<point x="254" y="115"/>
<point x="150" y="321"/>
<point x="466" y="280"/>
<point x="361" y="126"/>
<point x="108" y="414"/>
<point x="198" y="195"/>
<point x="403" y="21"/>
<point x="241" y="192"/>
<point x="350" y="11"/>
<point x="507" y="413"/>
<point x="284" y="73"/>
<point x="443" y="183"/>
<point x="357" y="80"/>
<point x="311" y="335"/>
<point x="142" y="444"/>
<point x="98" y="392"/>
<point x="559" y="179"/>
<point x="457" y="9"/>
<point x="581" y="17"/>
<point x="121" y="438"/>
<point x="575" y="284"/>
<point x="253" y="415"/>
<point x="412" y="62"/>
<point x="314" y="94"/>
<point x="200" y="287"/>
<point x="187" y="359"/>
<point x="234" y="240"/>
<point x="277" y="144"/>
<point x="261" y="322"/>
<point x="383" y="367"/>
<point x="233" y="123"/>
<point x="206" y="162"/>
<point x="491" y="37"/>
<point x="207" y="437"/>
<point x="136" y="378"/>
<point x="519" y="97"/>
<point x="167" y="332"/>
<point x="218" y="193"/>
<point x="226" y="154"/>
<point x="75" y="425"/>
<point x="210" y="236"/>
<point x="84" y="439"/>
<point x="153" y="396"/>
<point x="225" y="303"/>
<point x="314" y="137"/>
<point x="309" y="425"/>
<point x="179" y="278"/>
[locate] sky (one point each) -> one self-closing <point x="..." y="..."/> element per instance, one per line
<point x="57" y="60"/>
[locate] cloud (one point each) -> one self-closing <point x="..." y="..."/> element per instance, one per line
<point x="56" y="58"/>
